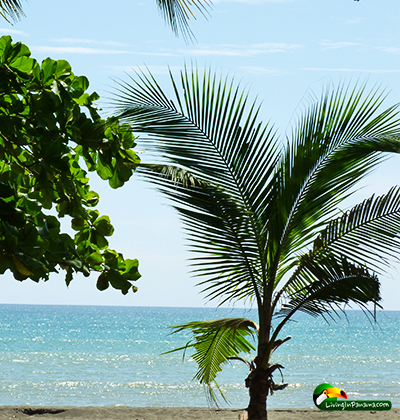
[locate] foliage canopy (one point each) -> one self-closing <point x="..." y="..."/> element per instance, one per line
<point x="49" y="127"/>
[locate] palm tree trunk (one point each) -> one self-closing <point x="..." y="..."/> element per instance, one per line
<point x="258" y="384"/>
<point x="259" y="378"/>
<point x="258" y="390"/>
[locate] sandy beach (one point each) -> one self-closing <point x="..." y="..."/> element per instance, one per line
<point x="169" y="413"/>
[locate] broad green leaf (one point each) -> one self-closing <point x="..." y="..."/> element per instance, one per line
<point x="95" y="258"/>
<point x="80" y="84"/>
<point x="17" y="51"/>
<point x="62" y="68"/>
<point x="21" y="267"/>
<point x="79" y="223"/>
<point x="131" y="269"/>
<point x="92" y="198"/>
<point x="68" y="276"/>
<point x="23" y="64"/>
<point x="103" y="226"/>
<point x="5" y="48"/>
<point x="102" y="282"/>
<point x="48" y="71"/>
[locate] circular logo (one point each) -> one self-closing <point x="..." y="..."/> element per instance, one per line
<point x="327" y="392"/>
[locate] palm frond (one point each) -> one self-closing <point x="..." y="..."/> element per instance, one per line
<point x="329" y="284"/>
<point x="218" y="232"/>
<point x="369" y="233"/>
<point x="205" y="130"/>
<point x="337" y="142"/>
<point x="177" y="14"/>
<point x="210" y="130"/>
<point x="11" y="9"/>
<point x="215" y="342"/>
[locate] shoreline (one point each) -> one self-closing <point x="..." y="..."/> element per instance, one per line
<point x="191" y="413"/>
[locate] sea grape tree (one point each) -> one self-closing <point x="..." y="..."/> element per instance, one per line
<point x="51" y="133"/>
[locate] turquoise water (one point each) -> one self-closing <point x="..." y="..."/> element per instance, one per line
<point x="93" y="355"/>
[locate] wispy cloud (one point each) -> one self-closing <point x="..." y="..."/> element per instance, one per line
<point x="79" y="49"/>
<point x="332" y="45"/>
<point x="259" y="70"/>
<point x="8" y="31"/>
<point x="155" y="69"/>
<point x="88" y="41"/>
<point x="355" y="21"/>
<point x="349" y="70"/>
<point x="157" y="54"/>
<point x="75" y="50"/>
<point x="390" y="50"/>
<point x="242" y="50"/>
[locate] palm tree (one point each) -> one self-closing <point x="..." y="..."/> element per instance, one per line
<point x="262" y="214"/>
<point x="176" y="13"/>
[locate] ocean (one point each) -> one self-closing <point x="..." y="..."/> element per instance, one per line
<point x="100" y="355"/>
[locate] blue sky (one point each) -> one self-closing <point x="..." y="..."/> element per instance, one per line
<point x="278" y="49"/>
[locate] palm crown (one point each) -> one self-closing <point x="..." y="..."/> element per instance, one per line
<point x="262" y="216"/>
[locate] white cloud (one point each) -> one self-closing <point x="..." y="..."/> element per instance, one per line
<point x="88" y="41"/>
<point x="71" y="49"/>
<point x="391" y="50"/>
<point x="349" y="70"/>
<point x="331" y="45"/>
<point x="243" y="50"/>
<point x="8" y="31"/>
<point x="75" y="50"/>
<point x="157" y="54"/>
<point x="259" y="70"/>
<point x="156" y="69"/>
<point x="355" y="21"/>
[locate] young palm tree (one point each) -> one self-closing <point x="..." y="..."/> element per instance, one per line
<point x="262" y="215"/>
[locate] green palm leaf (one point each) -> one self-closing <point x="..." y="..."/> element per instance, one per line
<point x="226" y="253"/>
<point x="177" y="14"/>
<point x="337" y="142"/>
<point x="11" y="9"/>
<point x="367" y="233"/>
<point x="191" y="132"/>
<point x="330" y="282"/>
<point x="215" y="342"/>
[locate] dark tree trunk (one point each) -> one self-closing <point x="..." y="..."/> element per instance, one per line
<point x="258" y="384"/>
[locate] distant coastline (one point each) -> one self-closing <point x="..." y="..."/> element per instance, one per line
<point x="216" y="308"/>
